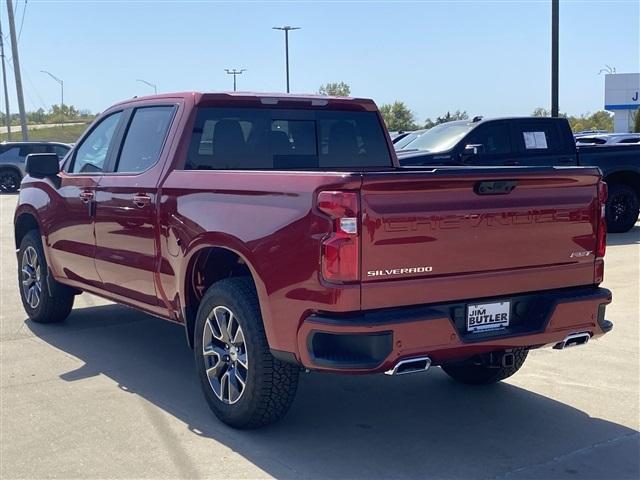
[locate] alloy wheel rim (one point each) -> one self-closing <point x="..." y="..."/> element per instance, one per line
<point x="620" y="205"/>
<point x="31" y="277"/>
<point x="225" y="355"/>
<point x="7" y="181"/>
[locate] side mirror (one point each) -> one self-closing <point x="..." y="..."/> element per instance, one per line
<point x="41" y="165"/>
<point x="473" y="149"/>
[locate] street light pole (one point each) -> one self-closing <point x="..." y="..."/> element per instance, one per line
<point x="286" y="29"/>
<point x="152" y="85"/>
<point x="235" y="73"/>
<point x="555" y="24"/>
<point x="61" y="93"/>
<point x="16" y="70"/>
<point x="7" y="116"/>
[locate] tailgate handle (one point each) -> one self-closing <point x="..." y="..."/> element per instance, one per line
<point x="495" y="187"/>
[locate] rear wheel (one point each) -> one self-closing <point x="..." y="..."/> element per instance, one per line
<point x="42" y="304"/>
<point x="9" y="180"/>
<point x="245" y="386"/>
<point x="622" y="208"/>
<point x="480" y="371"/>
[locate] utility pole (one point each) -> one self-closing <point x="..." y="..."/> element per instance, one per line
<point x="7" y="116"/>
<point x="235" y="73"/>
<point x="61" y="94"/>
<point x="555" y="24"/>
<point x="152" y="85"/>
<point x="286" y="29"/>
<point x="16" y="70"/>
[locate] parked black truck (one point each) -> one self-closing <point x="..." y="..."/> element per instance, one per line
<point x="536" y="142"/>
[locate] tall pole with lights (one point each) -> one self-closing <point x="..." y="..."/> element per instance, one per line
<point x="61" y="83"/>
<point x="555" y="24"/>
<point x="235" y="73"/>
<point x="152" y="85"/>
<point x="286" y="29"/>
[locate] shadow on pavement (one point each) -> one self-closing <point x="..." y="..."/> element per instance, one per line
<point x="341" y="427"/>
<point x="631" y="237"/>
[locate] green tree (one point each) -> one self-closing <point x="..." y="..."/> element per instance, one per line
<point x="541" y="112"/>
<point x="447" y="117"/>
<point x="398" y="116"/>
<point x="636" y="122"/>
<point x="339" y="89"/>
<point x="601" y="120"/>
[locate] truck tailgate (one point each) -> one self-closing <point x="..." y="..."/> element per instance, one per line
<point x="444" y="234"/>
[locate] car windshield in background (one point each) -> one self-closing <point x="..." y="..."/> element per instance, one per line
<point x="408" y="139"/>
<point x="258" y="138"/>
<point x="442" y="137"/>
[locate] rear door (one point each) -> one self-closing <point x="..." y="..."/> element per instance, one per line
<point x="543" y="142"/>
<point x="435" y="236"/>
<point x="126" y="206"/>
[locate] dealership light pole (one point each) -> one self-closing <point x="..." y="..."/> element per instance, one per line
<point x="286" y="29"/>
<point x="16" y="70"/>
<point x="235" y="73"/>
<point x="555" y="23"/>
<point x="7" y="116"/>
<point x="61" y="83"/>
<point x="152" y="85"/>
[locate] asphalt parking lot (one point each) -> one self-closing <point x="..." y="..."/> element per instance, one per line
<point x="113" y="393"/>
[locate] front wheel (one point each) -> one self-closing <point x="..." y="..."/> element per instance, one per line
<point x="477" y="371"/>
<point x="245" y="386"/>
<point x="622" y="208"/>
<point x="9" y="180"/>
<point x="42" y="304"/>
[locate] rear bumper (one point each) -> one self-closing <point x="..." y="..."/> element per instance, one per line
<point x="374" y="341"/>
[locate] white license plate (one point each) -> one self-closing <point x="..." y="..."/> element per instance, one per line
<point x="488" y="316"/>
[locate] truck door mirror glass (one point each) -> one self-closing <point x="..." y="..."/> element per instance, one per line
<point x="41" y="165"/>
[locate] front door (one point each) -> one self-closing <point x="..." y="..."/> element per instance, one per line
<point x="126" y="207"/>
<point x="72" y="232"/>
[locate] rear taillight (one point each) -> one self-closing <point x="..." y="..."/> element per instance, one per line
<point x="340" y="256"/>
<point x="601" y="244"/>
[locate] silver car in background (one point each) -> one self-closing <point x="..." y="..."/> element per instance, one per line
<point x="13" y="156"/>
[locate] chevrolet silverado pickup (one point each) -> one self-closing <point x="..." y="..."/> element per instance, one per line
<point x="533" y="141"/>
<point x="281" y="232"/>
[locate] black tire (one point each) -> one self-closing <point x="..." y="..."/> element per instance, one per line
<point x="472" y="372"/>
<point x="622" y="208"/>
<point x="270" y="384"/>
<point x="9" y="180"/>
<point x="48" y="308"/>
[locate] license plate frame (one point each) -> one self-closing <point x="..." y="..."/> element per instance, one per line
<point x="487" y="317"/>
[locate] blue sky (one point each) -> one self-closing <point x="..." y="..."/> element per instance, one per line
<point x="489" y="58"/>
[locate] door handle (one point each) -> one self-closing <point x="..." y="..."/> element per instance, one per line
<point x="86" y="196"/>
<point x="141" y="200"/>
<point x="566" y="161"/>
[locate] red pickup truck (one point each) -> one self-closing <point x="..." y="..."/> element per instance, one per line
<point x="282" y="233"/>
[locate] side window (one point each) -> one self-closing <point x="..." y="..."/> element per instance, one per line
<point x="10" y="154"/>
<point x="539" y="137"/>
<point x="144" y="138"/>
<point x="34" y="148"/>
<point x="59" y="150"/>
<point x="630" y="140"/>
<point x="494" y="138"/>
<point x="92" y="152"/>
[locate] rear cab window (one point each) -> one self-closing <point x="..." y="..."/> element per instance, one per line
<point x="286" y="139"/>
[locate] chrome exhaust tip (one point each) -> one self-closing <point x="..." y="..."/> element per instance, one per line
<point x="573" y="340"/>
<point x="410" y="365"/>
